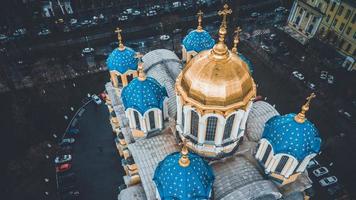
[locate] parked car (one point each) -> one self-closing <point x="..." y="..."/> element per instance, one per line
<point x="63" y="159"/>
<point x="298" y="75"/>
<point x="73" y="131"/>
<point x="68" y="141"/>
<point x="255" y="14"/>
<point x="3" y="37"/>
<point x="63" y="167"/>
<point x="136" y="13"/>
<point x="323" y="75"/>
<point x="280" y="9"/>
<point x="311" y="85"/>
<point x="272" y="36"/>
<point x="88" y="50"/>
<point x="44" y="32"/>
<point x="73" y="21"/>
<point x="312" y="163"/>
<point x="328" y="181"/>
<point x="320" y="171"/>
<point x="345" y="114"/>
<point x="266" y="48"/>
<point x="151" y="13"/>
<point x="164" y="37"/>
<point x="70" y="195"/>
<point x="330" y="79"/>
<point x="123" y="18"/>
<point x="96" y="99"/>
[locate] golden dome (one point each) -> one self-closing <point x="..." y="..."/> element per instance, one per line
<point x="216" y="80"/>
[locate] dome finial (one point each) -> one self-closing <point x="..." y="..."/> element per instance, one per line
<point x="200" y="19"/>
<point x="220" y="50"/>
<point x="141" y="73"/>
<point x="184" y="160"/>
<point x="119" y="37"/>
<point x="300" y="118"/>
<point x="236" y="39"/>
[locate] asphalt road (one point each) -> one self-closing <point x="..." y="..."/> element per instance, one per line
<point x="95" y="160"/>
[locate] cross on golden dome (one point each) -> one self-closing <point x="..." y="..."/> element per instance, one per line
<point x="141" y="73"/>
<point x="200" y="16"/>
<point x="226" y="11"/>
<point x="300" y="117"/>
<point x="119" y="38"/>
<point x="184" y="160"/>
<point x="236" y="39"/>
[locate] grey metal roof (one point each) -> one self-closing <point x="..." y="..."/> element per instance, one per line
<point x="234" y="175"/>
<point x="134" y="192"/>
<point x="260" y="113"/>
<point x="147" y="153"/>
<point x="164" y="66"/>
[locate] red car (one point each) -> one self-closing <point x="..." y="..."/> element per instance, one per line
<point x="63" y="167"/>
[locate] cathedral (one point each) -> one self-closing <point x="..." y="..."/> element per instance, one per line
<point x="192" y="128"/>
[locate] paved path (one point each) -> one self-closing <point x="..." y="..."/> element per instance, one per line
<point x="95" y="160"/>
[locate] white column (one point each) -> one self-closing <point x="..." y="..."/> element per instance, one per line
<point x="129" y="115"/>
<point x="219" y="131"/>
<point x="261" y="150"/>
<point x="143" y="123"/>
<point x="308" y="22"/>
<point x="287" y="167"/>
<point x="187" y="121"/>
<point x="291" y="168"/>
<point x="292" y="13"/>
<point x="315" y="28"/>
<point x="202" y="130"/>
<point x="270" y="164"/>
<point x="295" y="14"/>
<point x="301" y="18"/>
<point x="275" y="163"/>
<point x="159" y="119"/>
<point x="237" y="122"/>
<point x="179" y="110"/>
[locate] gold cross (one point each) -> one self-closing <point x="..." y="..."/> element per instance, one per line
<point x="312" y="96"/>
<point x="236" y="38"/>
<point x="119" y="37"/>
<point x="226" y="11"/>
<point x="200" y="15"/>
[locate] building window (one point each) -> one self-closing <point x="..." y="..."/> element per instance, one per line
<point x="348" y="30"/>
<point x="310" y="28"/>
<point x="211" y="128"/>
<point x="341" y="9"/>
<point x="194" y="125"/>
<point x="137" y="120"/>
<point x="348" y="47"/>
<point x="282" y="162"/>
<point x="354" y="18"/>
<point x="342" y="26"/>
<point x="265" y="156"/>
<point x="297" y="20"/>
<point x="341" y="44"/>
<point x="354" y="52"/>
<point x="301" y="11"/>
<point x="348" y="13"/>
<point x="327" y="18"/>
<point x="320" y="5"/>
<point x="151" y="118"/>
<point x="307" y="15"/>
<point x="228" y="127"/>
<point x="335" y="22"/>
<point x="333" y="7"/>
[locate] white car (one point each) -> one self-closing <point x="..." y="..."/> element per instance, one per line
<point x="328" y="181"/>
<point x="312" y="163"/>
<point x="323" y="75"/>
<point x="88" y="50"/>
<point x="136" y="13"/>
<point x="44" y="32"/>
<point x="123" y="18"/>
<point x="62" y="159"/>
<point x="3" y="37"/>
<point x="330" y="79"/>
<point x="96" y="99"/>
<point x="311" y="85"/>
<point x="280" y="9"/>
<point x="298" y="75"/>
<point x="255" y="14"/>
<point x="151" y="13"/>
<point x="73" y="21"/>
<point x="164" y="37"/>
<point x="320" y="171"/>
<point x="266" y="48"/>
<point x="68" y="141"/>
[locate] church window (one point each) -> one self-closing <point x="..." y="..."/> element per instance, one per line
<point x="137" y="120"/>
<point x="211" y="128"/>
<point x="194" y="123"/>
<point x="281" y="164"/>
<point x="228" y="127"/>
<point x="151" y="117"/>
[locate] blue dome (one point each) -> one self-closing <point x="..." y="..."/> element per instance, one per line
<point x="143" y="95"/>
<point x="247" y="61"/>
<point x="122" y="60"/>
<point x="198" y="41"/>
<point x="290" y="137"/>
<point x="184" y="183"/>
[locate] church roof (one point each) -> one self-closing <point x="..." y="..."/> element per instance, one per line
<point x="122" y="60"/>
<point x="198" y="41"/>
<point x="143" y="95"/>
<point x="290" y="137"/>
<point x="194" y="181"/>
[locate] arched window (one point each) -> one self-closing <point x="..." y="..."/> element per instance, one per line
<point x="151" y="117"/>
<point x="211" y="128"/>
<point x="137" y="120"/>
<point x="265" y="156"/>
<point x="282" y="162"/>
<point x="194" y="123"/>
<point x="129" y="78"/>
<point x="228" y="127"/>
